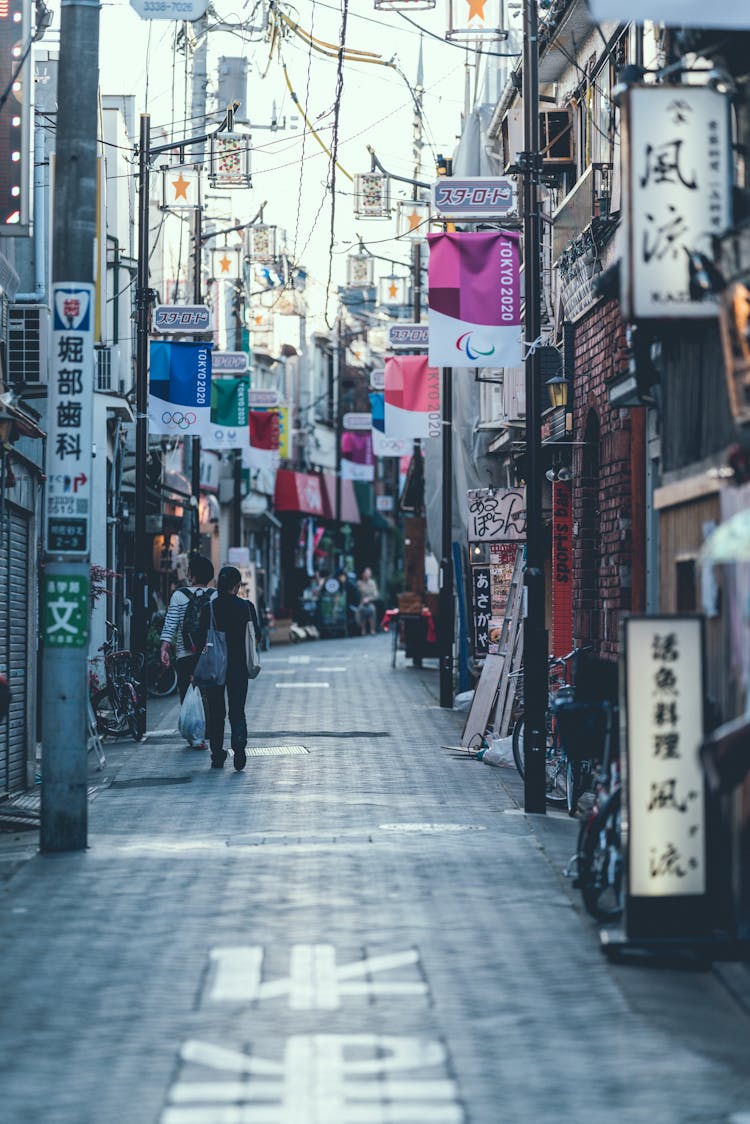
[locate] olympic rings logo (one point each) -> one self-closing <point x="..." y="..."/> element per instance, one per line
<point x="182" y="421"/>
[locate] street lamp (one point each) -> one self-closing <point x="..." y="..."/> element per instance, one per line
<point x="558" y="390"/>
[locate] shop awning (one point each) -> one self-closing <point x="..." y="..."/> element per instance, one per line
<point x="298" y="491"/>
<point x="349" y="506"/>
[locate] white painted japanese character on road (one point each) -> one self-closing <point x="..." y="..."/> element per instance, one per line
<point x="315" y="981"/>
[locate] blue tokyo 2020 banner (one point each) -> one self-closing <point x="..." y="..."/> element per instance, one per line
<point x="179" y="402"/>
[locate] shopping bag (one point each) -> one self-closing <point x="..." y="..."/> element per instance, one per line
<point x="211" y="668"/>
<point x="192" y="723"/>
<point x="251" y="652"/>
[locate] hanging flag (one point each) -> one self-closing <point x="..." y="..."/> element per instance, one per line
<point x="262" y="454"/>
<point x="377" y="409"/>
<point x="474" y="299"/>
<point x="179" y="403"/>
<point x="357" y="461"/>
<point x="412" y="397"/>
<point x="229" y="414"/>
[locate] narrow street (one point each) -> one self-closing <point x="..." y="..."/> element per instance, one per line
<point x="362" y="927"/>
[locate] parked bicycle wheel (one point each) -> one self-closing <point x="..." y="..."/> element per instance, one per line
<point x="129" y="704"/>
<point x="160" y="680"/>
<point x="109" y="720"/>
<point x="600" y="862"/>
<point x="555" y="765"/>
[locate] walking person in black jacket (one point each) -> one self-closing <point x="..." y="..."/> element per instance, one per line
<point x="232" y="614"/>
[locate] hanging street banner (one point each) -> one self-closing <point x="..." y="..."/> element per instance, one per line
<point x="173" y="318"/>
<point x="70" y="420"/>
<point x="562" y="567"/>
<point x="262" y="454"/>
<point x="179" y="389"/>
<point x="482" y="197"/>
<point x="412" y="397"/>
<point x="497" y="515"/>
<point x="285" y="432"/>
<point x="229" y="414"/>
<point x="408" y="336"/>
<point x="677" y="177"/>
<point x="474" y="299"/>
<point x="229" y="362"/>
<point x="357" y="461"/>
<point x="676" y="13"/>
<point x="181" y="187"/>
<point x="666" y="813"/>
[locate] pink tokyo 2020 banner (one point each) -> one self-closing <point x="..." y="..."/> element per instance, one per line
<point x="475" y="299"/>
<point x="412" y="397"/>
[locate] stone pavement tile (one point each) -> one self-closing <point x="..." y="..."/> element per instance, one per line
<point x="126" y="998"/>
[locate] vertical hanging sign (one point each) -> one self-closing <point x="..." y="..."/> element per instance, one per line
<point x="480" y="589"/>
<point x="71" y="397"/>
<point x="562" y="567"/>
<point x="666" y="833"/>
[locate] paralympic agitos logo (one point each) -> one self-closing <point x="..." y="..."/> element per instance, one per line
<point x="463" y="343"/>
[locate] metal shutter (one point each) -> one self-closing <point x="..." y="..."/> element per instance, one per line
<point x="14" y="610"/>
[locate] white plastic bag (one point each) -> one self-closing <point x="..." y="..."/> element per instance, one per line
<point x="498" y="752"/>
<point x="192" y="724"/>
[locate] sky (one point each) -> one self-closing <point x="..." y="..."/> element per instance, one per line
<point x="290" y="170"/>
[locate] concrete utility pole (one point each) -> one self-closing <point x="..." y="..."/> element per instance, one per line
<point x="65" y="593"/>
<point x="534" y="632"/>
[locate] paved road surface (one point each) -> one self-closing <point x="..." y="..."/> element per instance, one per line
<point x="366" y="932"/>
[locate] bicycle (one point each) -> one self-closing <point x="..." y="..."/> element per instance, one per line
<point x="588" y="725"/>
<point x="116" y="705"/>
<point x="561" y="782"/>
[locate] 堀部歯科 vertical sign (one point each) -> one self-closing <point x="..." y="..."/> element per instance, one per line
<point x="71" y="397"/>
<point x="666" y="828"/>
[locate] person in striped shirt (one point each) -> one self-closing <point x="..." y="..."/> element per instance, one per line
<point x="173" y="633"/>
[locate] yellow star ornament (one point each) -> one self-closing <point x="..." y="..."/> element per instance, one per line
<point x="225" y="263"/>
<point x="180" y="186"/>
<point x="414" y="220"/>
<point x="476" y="9"/>
<point x="393" y="290"/>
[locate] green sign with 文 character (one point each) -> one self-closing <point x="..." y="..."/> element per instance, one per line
<point x="65" y="611"/>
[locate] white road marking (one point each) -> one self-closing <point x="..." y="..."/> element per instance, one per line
<point x="296" y="686"/>
<point x="300" y="659"/>
<point x="314" y="981"/>
<point x="327" y="667"/>
<point x="323" y="1079"/>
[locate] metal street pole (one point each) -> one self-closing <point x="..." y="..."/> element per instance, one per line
<point x="139" y="625"/>
<point x="447" y="621"/>
<point x="66" y="575"/>
<point x="339" y="359"/>
<point x="534" y="633"/>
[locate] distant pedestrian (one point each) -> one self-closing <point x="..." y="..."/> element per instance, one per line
<point x="232" y="616"/>
<point x="182" y="624"/>
<point x="368" y="595"/>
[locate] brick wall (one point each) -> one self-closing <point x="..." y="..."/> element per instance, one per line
<point x="602" y="507"/>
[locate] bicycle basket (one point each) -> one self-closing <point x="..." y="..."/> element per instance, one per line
<point x="596" y="680"/>
<point x="582" y="727"/>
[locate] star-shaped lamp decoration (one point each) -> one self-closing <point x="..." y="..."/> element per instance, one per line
<point x="413" y="219"/>
<point x="392" y="290"/>
<point x="470" y="20"/>
<point x="226" y="262"/>
<point x="181" y="188"/>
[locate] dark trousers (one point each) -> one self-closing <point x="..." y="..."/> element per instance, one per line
<point x="185" y="668"/>
<point x="235" y="692"/>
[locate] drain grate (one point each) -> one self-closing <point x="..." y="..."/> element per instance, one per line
<point x="275" y="750"/>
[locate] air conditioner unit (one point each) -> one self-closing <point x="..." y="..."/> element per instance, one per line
<point x="555" y="137"/>
<point x="28" y="343"/>
<point x="514" y="388"/>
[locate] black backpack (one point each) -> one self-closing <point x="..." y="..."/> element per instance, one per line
<point x="192" y="633"/>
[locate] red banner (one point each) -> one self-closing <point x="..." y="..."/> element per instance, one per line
<point x="562" y="567"/>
